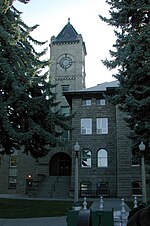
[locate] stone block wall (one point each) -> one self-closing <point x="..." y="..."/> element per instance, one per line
<point x="126" y="173"/>
<point x="94" y="142"/>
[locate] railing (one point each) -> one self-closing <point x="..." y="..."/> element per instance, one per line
<point x="53" y="187"/>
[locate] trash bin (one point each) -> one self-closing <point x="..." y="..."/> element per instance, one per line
<point x="72" y="217"/>
<point x="102" y="218"/>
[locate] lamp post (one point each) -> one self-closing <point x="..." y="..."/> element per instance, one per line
<point x="76" y="149"/>
<point x="142" y="149"/>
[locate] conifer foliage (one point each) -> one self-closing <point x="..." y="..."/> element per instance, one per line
<point x="27" y="103"/>
<point x="24" y="1"/>
<point x="131" y="56"/>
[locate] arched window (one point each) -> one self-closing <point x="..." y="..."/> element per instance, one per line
<point x="102" y="157"/>
<point x="86" y="158"/>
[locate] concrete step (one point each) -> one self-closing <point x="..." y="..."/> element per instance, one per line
<point x="61" y="188"/>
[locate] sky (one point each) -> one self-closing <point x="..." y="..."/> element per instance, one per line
<point x="52" y="16"/>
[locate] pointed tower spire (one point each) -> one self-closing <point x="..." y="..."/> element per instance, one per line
<point x="67" y="34"/>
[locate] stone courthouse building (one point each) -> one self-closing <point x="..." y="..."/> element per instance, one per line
<point x="107" y="163"/>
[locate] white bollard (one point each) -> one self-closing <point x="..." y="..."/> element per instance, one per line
<point x="135" y="202"/>
<point x="85" y="204"/>
<point x="101" y="203"/>
<point x="123" y="212"/>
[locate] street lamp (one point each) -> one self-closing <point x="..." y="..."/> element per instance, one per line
<point x="142" y="149"/>
<point x="76" y="149"/>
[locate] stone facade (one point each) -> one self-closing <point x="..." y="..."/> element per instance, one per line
<point x="13" y="177"/>
<point x="120" y="173"/>
<point x="109" y="170"/>
<point x="94" y="142"/>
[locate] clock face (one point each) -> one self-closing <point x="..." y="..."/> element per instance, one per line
<point x="65" y="62"/>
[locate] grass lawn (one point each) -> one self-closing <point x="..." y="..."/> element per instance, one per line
<point x="21" y="208"/>
<point x="18" y="208"/>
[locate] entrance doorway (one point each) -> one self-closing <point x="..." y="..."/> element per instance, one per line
<point x="60" y="165"/>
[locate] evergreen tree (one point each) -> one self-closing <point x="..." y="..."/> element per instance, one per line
<point x="131" y="56"/>
<point x="24" y="1"/>
<point x="27" y="102"/>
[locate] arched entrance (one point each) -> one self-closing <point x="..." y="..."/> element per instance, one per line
<point x="60" y="165"/>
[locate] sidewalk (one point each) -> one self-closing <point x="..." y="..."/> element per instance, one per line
<point x="46" y="221"/>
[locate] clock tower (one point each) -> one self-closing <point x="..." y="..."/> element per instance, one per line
<point x="67" y="55"/>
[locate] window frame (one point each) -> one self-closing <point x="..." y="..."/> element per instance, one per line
<point x="63" y="88"/>
<point x="102" y="125"/>
<point x="135" y="158"/>
<point x="83" y="157"/>
<point x="65" y="110"/>
<point x="12" y="182"/>
<point x="87" y="128"/>
<point x="102" y="189"/>
<point x="85" y="188"/>
<point x="11" y="161"/>
<point x="86" y="102"/>
<point x="65" y="135"/>
<point x="139" y="189"/>
<point x="12" y="179"/>
<point x="100" y="102"/>
<point x="102" y="159"/>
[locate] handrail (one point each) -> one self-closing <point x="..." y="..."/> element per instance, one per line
<point x="53" y="186"/>
<point x="84" y="218"/>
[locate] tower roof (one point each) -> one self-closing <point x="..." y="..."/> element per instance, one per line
<point x="67" y="34"/>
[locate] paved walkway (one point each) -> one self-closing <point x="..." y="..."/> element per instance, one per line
<point x="48" y="221"/>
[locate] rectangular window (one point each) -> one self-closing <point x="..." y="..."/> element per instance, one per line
<point x="65" y="135"/>
<point x="86" y="189"/>
<point x="13" y="161"/>
<point x="136" y="188"/>
<point x="135" y="157"/>
<point x="65" y="88"/>
<point x="102" y="189"/>
<point x="12" y="177"/>
<point x="86" y="102"/>
<point x="86" y="126"/>
<point x="100" y="102"/>
<point x="102" y="125"/>
<point x="65" y="110"/>
<point x="12" y="182"/>
<point x="13" y="172"/>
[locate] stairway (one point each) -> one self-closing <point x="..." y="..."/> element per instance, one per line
<point x="54" y="187"/>
<point x="62" y="187"/>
